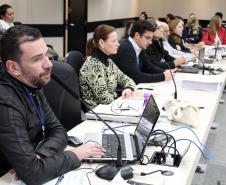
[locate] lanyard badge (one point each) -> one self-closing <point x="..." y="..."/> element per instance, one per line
<point x="38" y="111"/>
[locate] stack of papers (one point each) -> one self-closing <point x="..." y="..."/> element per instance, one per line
<point x="202" y="82"/>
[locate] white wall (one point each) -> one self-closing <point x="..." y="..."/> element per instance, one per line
<point x="112" y="9"/>
<point x="40" y="12"/>
<point x="37" y="11"/>
<point x="45" y="11"/>
<point x="204" y="9"/>
<point x="99" y="10"/>
<point x="118" y="9"/>
<point x="51" y="11"/>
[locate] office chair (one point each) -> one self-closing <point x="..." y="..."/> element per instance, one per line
<point x="75" y="59"/>
<point x="66" y="108"/>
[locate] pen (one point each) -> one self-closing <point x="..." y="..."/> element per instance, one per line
<point x="145" y="88"/>
<point x="59" y="179"/>
<point x="123" y="109"/>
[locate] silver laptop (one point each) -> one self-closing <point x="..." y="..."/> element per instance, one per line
<point x="204" y="58"/>
<point x="133" y="145"/>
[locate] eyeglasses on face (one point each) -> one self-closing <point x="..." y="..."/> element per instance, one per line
<point x="147" y="37"/>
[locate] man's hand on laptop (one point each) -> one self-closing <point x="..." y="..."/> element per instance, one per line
<point x="88" y="150"/>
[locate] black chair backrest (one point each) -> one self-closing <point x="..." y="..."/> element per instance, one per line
<point x="75" y="59"/>
<point x="66" y="108"/>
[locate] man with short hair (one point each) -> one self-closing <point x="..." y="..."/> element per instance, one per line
<point x="158" y="55"/>
<point x="220" y="15"/>
<point x="131" y="56"/>
<point x="172" y="51"/>
<point x="32" y="140"/>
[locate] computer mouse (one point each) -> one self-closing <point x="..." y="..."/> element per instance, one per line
<point x="74" y="141"/>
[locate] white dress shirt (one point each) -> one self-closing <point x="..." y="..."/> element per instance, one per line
<point x="5" y="25"/>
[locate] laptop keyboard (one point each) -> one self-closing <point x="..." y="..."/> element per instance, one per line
<point x="110" y="144"/>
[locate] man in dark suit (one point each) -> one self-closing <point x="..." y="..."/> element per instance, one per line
<point x="156" y="53"/>
<point x="131" y="57"/>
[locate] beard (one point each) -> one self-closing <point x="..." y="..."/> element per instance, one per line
<point x="38" y="81"/>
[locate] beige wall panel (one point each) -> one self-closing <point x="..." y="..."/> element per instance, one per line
<point x="111" y="9"/>
<point x="203" y="8"/>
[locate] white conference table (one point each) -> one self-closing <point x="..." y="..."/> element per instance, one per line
<point x="183" y="174"/>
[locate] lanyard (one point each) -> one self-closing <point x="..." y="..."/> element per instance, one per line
<point x="38" y="111"/>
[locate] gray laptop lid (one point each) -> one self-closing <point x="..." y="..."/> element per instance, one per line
<point x="145" y="126"/>
<point x="201" y="57"/>
<point x="205" y="59"/>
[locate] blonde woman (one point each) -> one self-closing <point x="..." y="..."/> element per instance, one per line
<point x="192" y="32"/>
<point x="176" y="27"/>
<point x="215" y="33"/>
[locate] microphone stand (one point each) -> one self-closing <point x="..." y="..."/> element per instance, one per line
<point x="174" y="83"/>
<point x="199" y="59"/>
<point x="175" y="87"/>
<point x="107" y="171"/>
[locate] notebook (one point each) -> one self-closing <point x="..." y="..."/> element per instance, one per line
<point x="133" y="145"/>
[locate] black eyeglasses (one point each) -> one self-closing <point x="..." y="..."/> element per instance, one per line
<point x="148" y="37"/>
<point x="124" y="106"/>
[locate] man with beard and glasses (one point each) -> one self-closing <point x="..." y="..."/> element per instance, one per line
<point x="32" y="140"/>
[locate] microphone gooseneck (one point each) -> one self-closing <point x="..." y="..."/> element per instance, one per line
<point x="105" y="171"/>
<point x="175" y="86"/>
<point x="174" y="83"/>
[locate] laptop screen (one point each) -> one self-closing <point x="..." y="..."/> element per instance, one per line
<point x="146" y="125"/>
<point x="201" y="57"/>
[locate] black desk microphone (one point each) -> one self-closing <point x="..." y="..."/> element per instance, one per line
<point x="107" y="170"/>
<point x="175" y="86"/>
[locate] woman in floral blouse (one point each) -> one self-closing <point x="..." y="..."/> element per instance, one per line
<point x="99" y="76"/>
